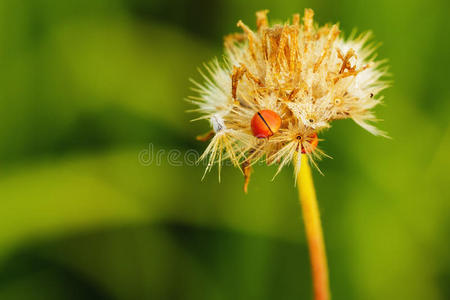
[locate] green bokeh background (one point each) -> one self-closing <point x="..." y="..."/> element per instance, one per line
<point x="87" y="85"/>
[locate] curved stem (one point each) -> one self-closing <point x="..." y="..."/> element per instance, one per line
<point x="313" y="229"/>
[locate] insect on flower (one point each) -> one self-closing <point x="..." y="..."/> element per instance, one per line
<point x="265" y="123"/>
<point x="312" y="141"/>
<point x="280" y="86"/>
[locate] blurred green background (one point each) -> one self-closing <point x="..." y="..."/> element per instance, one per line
<point x="87" y="85"/>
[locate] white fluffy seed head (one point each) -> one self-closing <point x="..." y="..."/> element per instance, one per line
<point x="309" y="75"/>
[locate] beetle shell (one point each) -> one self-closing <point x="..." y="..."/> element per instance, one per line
<point x="265" y="123"/>
<point x="313" y="140"/>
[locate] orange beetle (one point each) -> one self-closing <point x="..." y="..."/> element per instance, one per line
<point x="313" y="140"/>
<point x="265" y="123"/>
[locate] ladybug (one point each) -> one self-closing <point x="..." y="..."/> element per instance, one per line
<point x="312" y="140"/>
<point x="265" y="123"/>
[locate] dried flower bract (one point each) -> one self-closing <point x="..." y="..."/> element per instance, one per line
<point x="307" y="75"/>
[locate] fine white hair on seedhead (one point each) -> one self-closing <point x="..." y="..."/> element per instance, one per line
<point x="309" y="75"/>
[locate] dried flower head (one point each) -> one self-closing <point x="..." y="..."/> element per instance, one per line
<point x="307" y="75"/>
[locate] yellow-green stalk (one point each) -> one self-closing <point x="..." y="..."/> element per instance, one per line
<point x="313" y="229"/>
